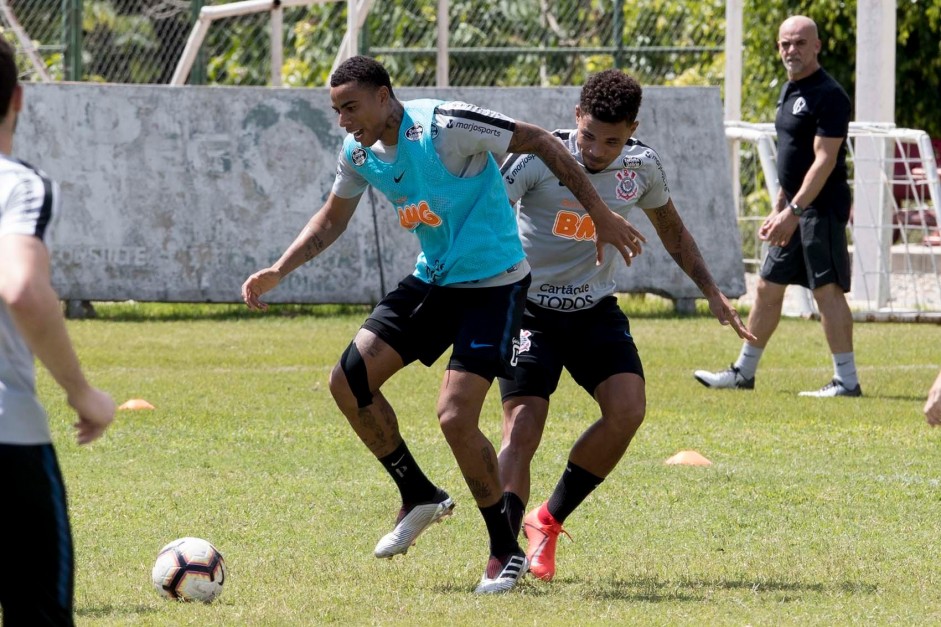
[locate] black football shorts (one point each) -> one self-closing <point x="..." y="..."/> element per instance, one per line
<point x="420" y="321"/>
<point x="592" y="344"/>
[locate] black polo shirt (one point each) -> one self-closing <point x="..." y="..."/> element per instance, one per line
<point x="812" y="106"/>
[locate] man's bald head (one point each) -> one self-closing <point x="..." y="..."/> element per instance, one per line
<point x="799" y="45"/>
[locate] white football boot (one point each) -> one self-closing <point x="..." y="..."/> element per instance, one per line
<point x="410" y="524"/>
<point x="729" y="378"/>
<point x="501" y="576"/>
<point x="834" y="388"/>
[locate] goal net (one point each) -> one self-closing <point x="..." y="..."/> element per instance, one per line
<point x="895" y="244"/>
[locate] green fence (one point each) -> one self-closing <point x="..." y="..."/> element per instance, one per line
<point x="492" y="42"/>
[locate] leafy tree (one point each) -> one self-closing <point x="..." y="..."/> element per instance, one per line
<point x="239" y="51"/>
<point x="43" y="26"/>
<point x="918" y="65"/>
<point x="314" y="36"/>
<point x="662" y="42"/>
<point x="762" y="69"/>
<point x="117" y="45"/>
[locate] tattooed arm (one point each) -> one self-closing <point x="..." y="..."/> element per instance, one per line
<point x="679" y="242"/>
<point x="322" y="230"/>
<point x="610" y="228"/>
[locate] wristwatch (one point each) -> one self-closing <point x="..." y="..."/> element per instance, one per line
<point x="795" y="208"/>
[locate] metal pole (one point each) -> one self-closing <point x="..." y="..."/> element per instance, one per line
<point x="26" y="44"/>
<point x="72" y="25"/>
<point x="443" y="71"/>
<point x="734" y="47"/>
<point x="197" y="74"/>
<point x="277" y="43"/>
<point x="732" y="88"/>
<point x="355" y="18"/>
<point x="365" y="41"/>
<point x="872" y="201"/>
<point x="352" y="29"/>
<point x="617" y="33"/>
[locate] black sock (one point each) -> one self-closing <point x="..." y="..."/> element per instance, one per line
<point x="515" y="508"/>
<point x="502" y="540"/>
<point x="411" y="481"/>
<point x="573" y="488"/>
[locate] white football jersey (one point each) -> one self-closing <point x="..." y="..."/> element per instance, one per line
<point x="28" y="203"/>
<point x="557" y="233"/>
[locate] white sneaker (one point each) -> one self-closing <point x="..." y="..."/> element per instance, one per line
<point x="501" y="576"/>
<point x="410" y="524"/>
<point x="730" y="378"/>
<point x="834" y="388"/>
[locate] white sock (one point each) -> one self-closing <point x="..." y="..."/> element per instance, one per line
<point x="844" y="369"/>
<point x="747" y="362"/>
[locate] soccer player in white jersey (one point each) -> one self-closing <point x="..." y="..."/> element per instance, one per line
<point x="432" y="160"/>
<point x="572" y="318"/>
<point x="37" y="577"/>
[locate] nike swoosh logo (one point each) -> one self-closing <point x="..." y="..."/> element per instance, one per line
<point x="841" y="363"/>
<point x="475" y="344"/>
<point x="398" y="178"/>
<point x="817" y="275"/>
<point x="398" y="461"/>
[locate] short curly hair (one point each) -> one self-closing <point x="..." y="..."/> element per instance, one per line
<point x="364" y="70"/>
<point x="611" y="96"/>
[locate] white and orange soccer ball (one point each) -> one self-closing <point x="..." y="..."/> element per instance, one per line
<point x="189" y="569"/>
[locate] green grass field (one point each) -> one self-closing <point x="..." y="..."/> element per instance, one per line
<point x="814" y="511"/>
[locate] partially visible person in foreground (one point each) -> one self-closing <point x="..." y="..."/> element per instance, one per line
<point x="933" y="404"/>
<point x="38" y="576"/>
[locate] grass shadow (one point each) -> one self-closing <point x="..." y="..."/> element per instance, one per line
<point x="133" y="311"/>
<point x="526" y="587"/>
<point x="114" y="611"/>
<point x="653" y="590"/>
<point x="909" y="398"/>
<point x="866" y="395"/>
<point x="656" y="591"/>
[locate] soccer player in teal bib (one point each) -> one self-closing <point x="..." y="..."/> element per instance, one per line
<point x="432" y="160"/>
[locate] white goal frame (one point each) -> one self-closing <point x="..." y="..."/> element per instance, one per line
<point x="880" y="292"/>
<point x="356" y="12"/>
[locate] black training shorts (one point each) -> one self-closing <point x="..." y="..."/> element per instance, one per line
<point x="592" y="344"/>
<point x="36" y="581"/>
<point x="816" y="255"/>
<point x="420" y="321"/>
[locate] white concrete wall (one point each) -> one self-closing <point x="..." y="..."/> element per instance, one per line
<point x="178" y="194"/>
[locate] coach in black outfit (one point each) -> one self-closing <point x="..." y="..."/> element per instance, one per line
<point x="807" y="229"/>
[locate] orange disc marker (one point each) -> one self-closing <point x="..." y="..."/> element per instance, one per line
<point x="136" y="403"/>
<point x="688" y="458"/>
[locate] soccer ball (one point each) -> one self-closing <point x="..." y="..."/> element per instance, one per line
<point x="189" y="569"/>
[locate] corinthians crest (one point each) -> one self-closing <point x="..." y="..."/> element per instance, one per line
<point x="627" y="186"/>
